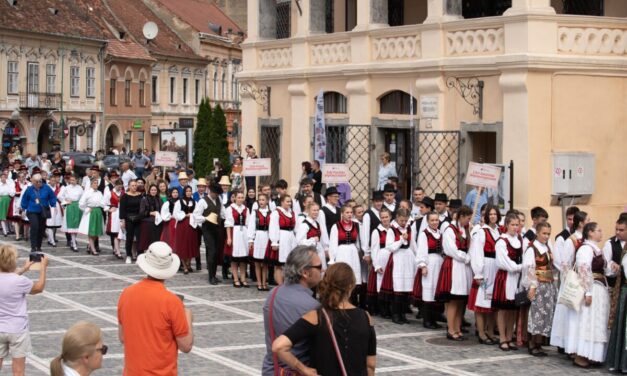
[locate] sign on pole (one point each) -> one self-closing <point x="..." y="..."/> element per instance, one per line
<point x="335" y="173"/>
<point x="483" y="175"/>
<point x="257" y="167"/>
<point x="166" y="158"/>
<point x="320" y="132"/>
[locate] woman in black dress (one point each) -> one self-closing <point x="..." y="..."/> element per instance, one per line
<point x="151" y="225"/>
<point x="350" y="325"/>
<point x="130" y="218"/>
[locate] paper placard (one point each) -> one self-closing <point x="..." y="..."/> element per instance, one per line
<point x="257" y="167"/>
<point x="166" y="158"/>
<point x="483" y="175"/>
<point x="335" y="173"/>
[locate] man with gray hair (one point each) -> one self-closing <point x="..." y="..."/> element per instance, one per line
<point x="290" y="301"/>
<point x="37" y="201"/>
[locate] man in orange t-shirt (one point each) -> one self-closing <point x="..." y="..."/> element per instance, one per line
<point x="153" y="323"/>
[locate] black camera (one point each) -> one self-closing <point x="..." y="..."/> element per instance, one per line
<point x="35" y="256"/>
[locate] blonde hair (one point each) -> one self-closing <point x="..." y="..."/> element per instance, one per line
<point x="8" y="258"/>
<point x="386" y="156"/>
<point x="79" y="340"/>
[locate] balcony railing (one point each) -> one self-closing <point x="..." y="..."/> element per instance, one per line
<point x="40" y="101"/>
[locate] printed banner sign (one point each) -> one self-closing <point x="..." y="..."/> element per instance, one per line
<point x="257" y="167"/>
<point x="166" y="158"/>
<point x="483" y="175"/>
<point x="335" y="173"/>
<point x="320" y="132"/>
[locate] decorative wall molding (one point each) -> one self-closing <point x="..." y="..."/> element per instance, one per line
<point x="480" y="41"/>
<point x="396" y="48"/>
<point x="331" y="53"/>
<point x="592" y="41"/>
<point x="275" y="58"/>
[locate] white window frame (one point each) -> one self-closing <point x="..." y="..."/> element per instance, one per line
<point x="172" y="90"/>
<point x="185" y="90"/>
<point x="51" y="78"/>
<point x="13" y="71"/>
<point x="90" y="74"/>
<point x="75" y="81"/>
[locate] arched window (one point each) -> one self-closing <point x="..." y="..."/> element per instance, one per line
<point x="397" y="102"/>
<point x="335" y="103"/>
<point x="215" y="85"/>
<point x="223" y="87"/>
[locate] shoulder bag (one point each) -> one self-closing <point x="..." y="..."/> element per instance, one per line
<point x="572" y="293"/>
<point x="45" y="209"/>
<point x="278" y="370"/>
<point x="337" y="349"/>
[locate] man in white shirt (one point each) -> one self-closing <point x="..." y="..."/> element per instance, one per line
<point x="127" y="175"/>
<point x="416" y="198"/>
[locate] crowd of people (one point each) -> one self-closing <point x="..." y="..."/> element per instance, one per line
<point x="527" y="286"/>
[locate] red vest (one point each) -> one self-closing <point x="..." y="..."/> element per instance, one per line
<point x="286" y="223"/>
<point x="382" y="237"/>
<point x="239" y="219"/>
<point x="434" y="245"/>
<point x="489" y="248"/>
<point x="262" y="221"/>
<point x="514" y="254"/>
<point x="347" y="236"/>
<point x="397" y="236"/>
<point x="314" y="232"/>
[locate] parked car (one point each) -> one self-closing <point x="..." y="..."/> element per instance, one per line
<point x="80" y="162"/>
<point x="113" y="162"/>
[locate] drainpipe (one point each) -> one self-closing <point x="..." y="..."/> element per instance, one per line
<point x="102" y="98"/>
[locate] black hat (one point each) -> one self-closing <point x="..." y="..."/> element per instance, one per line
<point x="331" y="191"/>
<point x="215" y="189"/>
<point x="56" y="172"/>
<point x="36" y="170"/>
<point x="428" y="201"/>
<point x="455" y="203"/>
<point x="441" y="197"/>
<point x="377" y="196"/>
<point x="95" y="168"/>
<point x="389" y="188"/>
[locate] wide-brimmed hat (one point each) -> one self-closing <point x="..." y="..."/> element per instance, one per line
<point x="377" y="196"/>
<point x="224" y="180"/>
<point x="442" y="197"/>
<point x="95" y="168"/>
<point x="202" y="181"/>
<point x="389" y="188"/>
<point x="213" y="218"/>
<point x="36" y="170"/>
<point x="455" y="203"/>
<point x="428" y="202"/>
<point x="331" y="191"/>
<point x="183" y="176"/>
<point x="159" y="261"/>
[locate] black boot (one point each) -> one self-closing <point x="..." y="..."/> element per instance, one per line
<point x="198" y="263"/>
<point x="429" y="315"/>
<point x="373" y="309"/>
<point x="420" y="313"/>
<point x="402" y="312"/>
<point x="384" y="308"/>
<point x="396" y="315"/>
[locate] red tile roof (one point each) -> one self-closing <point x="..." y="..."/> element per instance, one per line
<point x="127" y="50"/>
<point x="200" y="14"/>
<point x="38" y="16"/>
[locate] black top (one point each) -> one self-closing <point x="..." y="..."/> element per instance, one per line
<point x="617" y="252"/>
<point x="331" y="218"/>
<point x="564" y="235"/>
<point x="355" y="337"/>
<point x="530" y="235"/>
<point x="148" y="205"/>
<point x="129" y="205"/>
<point x="317" y="187"/>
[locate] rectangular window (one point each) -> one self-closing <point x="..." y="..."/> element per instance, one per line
<point x="91" y="82"/>
<point x="74" y="81"/>
<point x="155" y="88"/>
<point x="113" y="94"/>
<point x="185" y="90"/>
<point x="172" y="88"/>
<point x="283" y="21"/>
<point x="12" y="82"/>
<point x="127" y="92"/>
<point x="197" y="92"/>
<point x="51" y="78"/>
<point x="142" y="93"/>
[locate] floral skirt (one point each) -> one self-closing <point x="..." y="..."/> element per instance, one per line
<point x="541" y="310"/>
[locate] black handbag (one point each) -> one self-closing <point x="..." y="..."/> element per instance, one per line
<point x="45" y="209"/>
<point x="521" y="299"/>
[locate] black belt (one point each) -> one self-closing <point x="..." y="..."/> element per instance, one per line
<point x="435" y="251"/>
<point x="263" y="228"/>
<point x="347" y="242"/>
<point x="491" y="255"/>
<point x="287" y="228"/>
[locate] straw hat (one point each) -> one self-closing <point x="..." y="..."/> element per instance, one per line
<point x="202" y="181"/>
<point x="183" y="176"/>
<point x="212" y="218"/>
<point x="159" y="261"/>
<point x="224" y="180"/>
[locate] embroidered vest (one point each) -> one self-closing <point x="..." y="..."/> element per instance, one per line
<point x="347" y="236"/>
<point x="286" y="223"/>
<point x="460" y="242"/>
<point x="239" y="219"/>
<point x="397" y="236"/>
<point x="489" y="249"/>
<point x="262" y="221"/>
<point x="433" y="245"/>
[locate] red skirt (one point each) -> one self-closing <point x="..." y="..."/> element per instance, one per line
<point x="272" y="255"/>
<point x="228" y="249"/>
<point x="445" y="281"/>
<point x="472" y="299"/>
<point x="15" y="217"/>
<point x="186" y="240"/>
<point x="387" y="284"/>
<point x="417" y="291"/>
<point x="499" y="296"/>
<point x="168" y="235"/>
<point x="372" y="282"/>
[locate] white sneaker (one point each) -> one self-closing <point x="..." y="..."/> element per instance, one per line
<point x="128" y="260"/>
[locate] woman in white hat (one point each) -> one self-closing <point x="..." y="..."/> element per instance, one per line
<point x="186" y="238"/>
<point x="92" y="223"/>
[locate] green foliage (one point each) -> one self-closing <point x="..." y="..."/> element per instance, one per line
<point x="217" y="143"/>
<point x="202" y="164"/>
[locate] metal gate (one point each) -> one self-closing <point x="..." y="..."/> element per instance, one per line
<point x="270" y="138"/>
<point x="436" y="162"/>
<point x="350" y="144"/>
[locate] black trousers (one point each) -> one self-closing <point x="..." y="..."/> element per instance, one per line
<point x="210" y="236"/>
<point x="37" y="223"/>
<point x="132" y="232"/>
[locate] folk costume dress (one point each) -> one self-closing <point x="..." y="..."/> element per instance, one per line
<point x="7" y="191"/>
<point x="258" y="226"/>
<point x="430" y="255"/>
<point x="112" y="202"/>
<point x="92" y="204"/>
<point x="617" y="349"/>
<point x="70" y="197"/>
<point x="236" y="218"/>
<point x="281" y="233"/>
<point x="509" y="263"/>
<point x="592" y="320"/>
<point x="455" y="275"/>
<point x="483" y="264"/>
<point x="309" y="233"/>
<point x="400" y="271"/>
<point x="379" y="255"/>
<point x="168" y="234"/>
<point x="56" y="214"/>
<point x="187" y="246"/>
<point x="564" y="328"/>
<point x="538" y="271"/>
<point x="16" y="214"/>
<point x="344" y="246"/>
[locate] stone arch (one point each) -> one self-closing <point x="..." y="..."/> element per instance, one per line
<point x="114" y="72"/>
<point x="44" y="133"/>
<point x="15" y="137"/>
<point x="113" y="136"/>
<point x="129" y="74"/>
<point x="143" y="74"/>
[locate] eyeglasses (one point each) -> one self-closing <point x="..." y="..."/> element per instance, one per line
<point x="319" y="267"/>
<point x="103" y="350"/>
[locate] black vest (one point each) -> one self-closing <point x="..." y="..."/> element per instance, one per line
<point x="211" y="208"/>
<point x="331" y="218"/>
<point x="617" y="252"/>
<point x="564" y="235"/>
<point x="530" y="235"/>
<point x="374" y="221"/>
<point x="393" y="211"/>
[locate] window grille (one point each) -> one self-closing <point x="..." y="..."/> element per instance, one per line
<point x="283" y="22"/>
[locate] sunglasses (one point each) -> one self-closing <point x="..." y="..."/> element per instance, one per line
<point x="319" y="267"/>
<point x="103" y="350"/>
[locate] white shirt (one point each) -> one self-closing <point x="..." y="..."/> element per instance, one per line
<point x="127" y="176"/>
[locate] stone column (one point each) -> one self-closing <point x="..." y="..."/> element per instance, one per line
<point x="443" y="10"/>
<point x="371" y="14"/>
<point x="296" y="134"/>
<point x="530" y="7"/>
<point x="249" y="123"/>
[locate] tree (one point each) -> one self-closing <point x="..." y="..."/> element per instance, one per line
<point x="202" y="164"/>
<point x="218" y="145"/>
